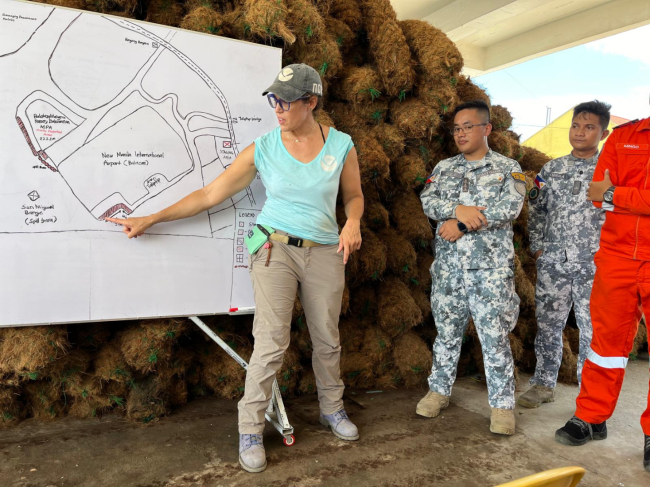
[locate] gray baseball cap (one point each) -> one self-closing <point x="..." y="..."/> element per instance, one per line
<point x="294" y="81"/>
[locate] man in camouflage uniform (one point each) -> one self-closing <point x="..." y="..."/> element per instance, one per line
<point x="564" y="233"/>
<point x="474" y="197"/>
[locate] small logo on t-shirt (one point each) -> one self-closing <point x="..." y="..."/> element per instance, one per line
<point x="328" y="163"/>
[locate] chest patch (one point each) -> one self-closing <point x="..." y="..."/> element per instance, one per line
<point x="490" y="178"/>
<point x="328" y="163"/>
<point x="451" y="174"/>
<point x="576" y="187"/>
<point x="519" y="176"/>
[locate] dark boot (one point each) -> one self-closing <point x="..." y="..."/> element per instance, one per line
<point x="578" y="432"/>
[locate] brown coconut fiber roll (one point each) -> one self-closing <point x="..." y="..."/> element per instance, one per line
<point x="397" y="311"/>
<point x="363" y="303"/>
<point x="533" y="160"/>
<point x="568" y="373"/>
<point x="205" y="19"/>
<point x="304" y="20"/>
<point x="146" y="343"/>
<point x="501" y="143"/>
<point x="165" y="12"/>
<point x="347" y="11"/>
<point x="390" y="138"/>
<point x="409" y="171"/>
<point x="388" y="46"/>
<point x="43" y="400"/>
<point x="289" y="374"/>
<point x="145" y="403"/>
<point x="78" y="4"/>
<point x="400" y="254"/>
<point x="307" y="383"/>
<point x="375" y="216"/>
<point x="345" y="300"/>
<point x="267" y="20"/>
<point x="413" y="359"/>
<point x="28" y="350"/>
<point x="374" y="164"/>
<point x="640" y="341"/>
<point x="359" y="85"/>
<point x="321" y="53"/>
<point x="500" y="118"/>
<point x="357" y="370"/>
<point x="110" y="364"/>
<point x="377" y="344"/>
<point x="441" y="96"/>
<point x="341" y="33"/>
<point x="324" y="118"/>
<point x="410" y="220"/>
<point x="369" y="262"/>
<point x="437" y="56"/>
<point x="414" y="118"/>
<point x="351" y="335"/>
<point x="12" y="408"/>
<point x="468" y="91"/>
<point x="422" y="299"/>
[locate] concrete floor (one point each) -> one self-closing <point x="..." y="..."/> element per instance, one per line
<point x="198" y="445"/>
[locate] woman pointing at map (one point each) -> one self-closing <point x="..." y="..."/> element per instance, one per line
<point x="295" y="247"/>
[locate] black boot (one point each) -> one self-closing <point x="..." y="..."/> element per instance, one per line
<point x="646" y="453"/>
<point x="578" y="432"/>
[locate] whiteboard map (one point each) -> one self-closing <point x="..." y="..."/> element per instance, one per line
<point x="100" y="117"/>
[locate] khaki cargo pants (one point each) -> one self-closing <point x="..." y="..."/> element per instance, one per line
<point x="317" y="274"/>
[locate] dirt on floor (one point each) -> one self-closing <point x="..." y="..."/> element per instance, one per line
<point x="198" y="445"/>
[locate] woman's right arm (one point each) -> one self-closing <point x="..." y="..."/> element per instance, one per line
<point x="234" y="179"/>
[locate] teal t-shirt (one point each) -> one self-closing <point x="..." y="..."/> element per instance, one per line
<point x="301" y="198"/>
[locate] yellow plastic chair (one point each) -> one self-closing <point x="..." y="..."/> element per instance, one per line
<point x="559" y="477"/>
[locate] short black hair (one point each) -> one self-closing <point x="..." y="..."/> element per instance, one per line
<point x="598" y="108"/>
<point x="479" y="105"/>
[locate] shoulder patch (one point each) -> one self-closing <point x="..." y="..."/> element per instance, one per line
<point x="431" y="179"/>
<point x="631" y="122"/>
<point x="520" y="176"/>
<point x="533" y="194"/>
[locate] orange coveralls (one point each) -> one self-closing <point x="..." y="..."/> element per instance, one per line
<point x="621" y="289"/>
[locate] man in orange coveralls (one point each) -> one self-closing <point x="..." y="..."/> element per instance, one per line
<point x="621" y="290"/>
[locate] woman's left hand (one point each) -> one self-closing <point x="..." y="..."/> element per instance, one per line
<point x="350" y="239"/>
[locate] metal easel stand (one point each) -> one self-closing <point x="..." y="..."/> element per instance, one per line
<point x="275" y="413"/>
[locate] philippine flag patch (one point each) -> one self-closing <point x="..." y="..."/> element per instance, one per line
<point x="539" y="182"/>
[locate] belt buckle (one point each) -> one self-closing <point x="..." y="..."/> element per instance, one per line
<point x="296" y="242"/>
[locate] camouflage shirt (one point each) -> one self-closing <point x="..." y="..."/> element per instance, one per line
<point x="560" y="220"/>
<point x="495" y="182"/>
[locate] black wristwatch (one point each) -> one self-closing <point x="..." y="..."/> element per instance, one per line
<point x="608" y="197"/>
<point x="462" y="227"/>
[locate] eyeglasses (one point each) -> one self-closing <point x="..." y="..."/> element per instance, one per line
<point x="274" y="101"/>
<point x="466" y="129"/>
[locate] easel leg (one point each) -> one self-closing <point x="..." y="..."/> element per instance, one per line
<point x="275" y="413"/>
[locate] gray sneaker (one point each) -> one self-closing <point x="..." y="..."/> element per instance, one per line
<point x="252" y="456"/>
<point x="536" y="396"/>
<point x="340" y="425"/>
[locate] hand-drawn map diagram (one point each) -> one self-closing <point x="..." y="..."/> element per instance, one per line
<point x="101" y="117"/>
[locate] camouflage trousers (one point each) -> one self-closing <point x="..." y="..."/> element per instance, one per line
<point x="559" y="286"/>
<point x="488" y="295"/>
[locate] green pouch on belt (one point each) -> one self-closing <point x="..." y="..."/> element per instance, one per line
<point x="257" y="236"/>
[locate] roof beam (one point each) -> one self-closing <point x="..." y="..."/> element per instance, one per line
<point x="589" y="25"/>
<point x="461" y="12"/>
